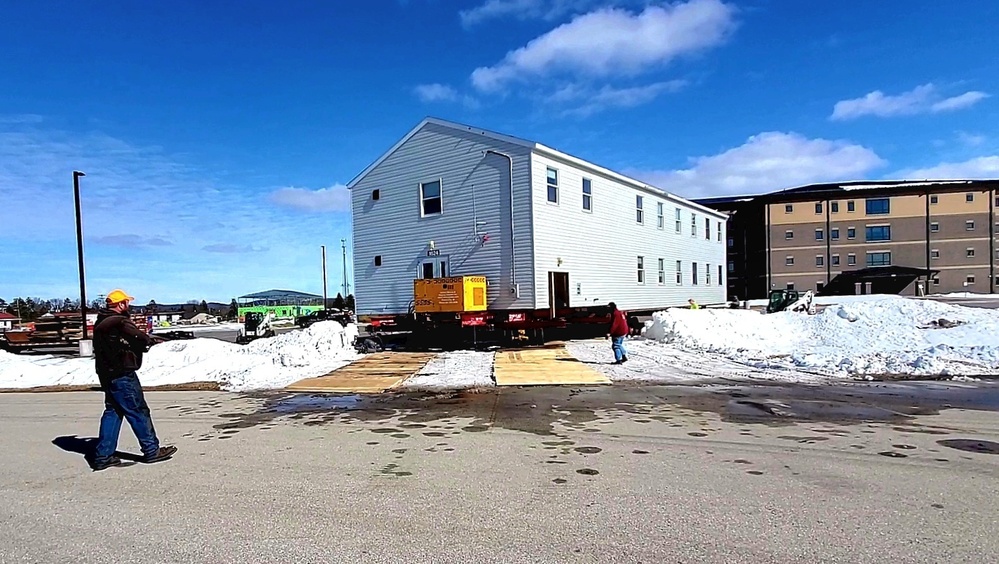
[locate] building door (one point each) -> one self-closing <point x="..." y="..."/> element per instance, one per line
<point x="558" y="291"/>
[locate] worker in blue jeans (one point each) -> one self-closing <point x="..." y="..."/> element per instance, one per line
<point x="618" y="331"/>
<point x="118" y="348"/>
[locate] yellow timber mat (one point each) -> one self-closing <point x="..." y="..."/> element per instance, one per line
<point x="544" y="366"/>
<point x="375" y="373"/>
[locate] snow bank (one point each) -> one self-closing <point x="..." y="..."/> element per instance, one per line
<point x="890" y="335"/>
<point x="454" y="370"/>
<point x="265" y="363"/>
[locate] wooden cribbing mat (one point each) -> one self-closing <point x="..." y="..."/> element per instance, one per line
<point x="372" y="374"/>
<point x="544" y="366"/>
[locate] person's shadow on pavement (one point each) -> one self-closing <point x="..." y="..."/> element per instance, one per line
<point x="86" y="447"/>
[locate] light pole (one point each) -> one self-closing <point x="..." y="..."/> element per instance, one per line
<point x="324" y="277"/>
<point x="343" y="245"/>
<point x="85" y="350"/>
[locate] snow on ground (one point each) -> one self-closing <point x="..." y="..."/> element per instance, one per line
<point x="231" y="326"/>
<point x="261" y="364"/>
<point x="966" y="295"/>
<point x="454" y="370"/>
<point x="886" y="336"/>
<point x="835" y="300"/>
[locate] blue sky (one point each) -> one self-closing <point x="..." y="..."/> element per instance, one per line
<point x="217" y="139"/>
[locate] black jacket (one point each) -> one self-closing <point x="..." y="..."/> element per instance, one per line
<point x="118" y="345"/>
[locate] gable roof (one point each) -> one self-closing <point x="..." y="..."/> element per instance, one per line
<point x="538" y="148"/>
<point x="278" y="295"/>
<point x="6" y="316"/>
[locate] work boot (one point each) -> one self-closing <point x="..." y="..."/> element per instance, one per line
<point x="105" y="464"/>
<point x="164" y="453"/>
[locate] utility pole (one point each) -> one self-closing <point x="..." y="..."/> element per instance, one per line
<point x="346" y="291"/>
<point x="79" y="251"/>
<point x="324" y="277"/>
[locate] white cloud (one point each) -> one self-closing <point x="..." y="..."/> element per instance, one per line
<point x="232" y="248"/>
<point x="971" y="139"/>
<point x="132" y="241"/>
<point x="533" y="9"/>
<point x="986" y="167"/>
<point x="595" y="100"/>
<point x="436" y="93"/>
<point x="920" y="100"/>
<point x="333" y="199"/>
<point x="612" y="43"/>
<point x="764" y="163"/>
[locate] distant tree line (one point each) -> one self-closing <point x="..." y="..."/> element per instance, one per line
<point x="340" y="303"/>
<point x="30" y="309"/>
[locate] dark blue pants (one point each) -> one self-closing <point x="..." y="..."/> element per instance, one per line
<point x="123" y="399"/>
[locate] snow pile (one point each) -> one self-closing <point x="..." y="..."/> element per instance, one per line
<point x="454" y="370"/>
<point x="873" y="337"/>
<point x="265" y="363"/>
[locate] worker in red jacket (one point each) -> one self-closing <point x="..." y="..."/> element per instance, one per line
<point x="618" y="331"/>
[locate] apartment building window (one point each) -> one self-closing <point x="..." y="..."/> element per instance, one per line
<point x="969" y="225"/>
<point x="820" y="260"/>
<point x="693" y="224"/>
<point x="679" y="273"/>
<point x="851" y="259"/>
<point x="678" y="224"/>
<point x="378" y="260"/>
<point x="662" y="271"/>
<point x="661" y="215"/>
<point x="693" y="273"/>
<point x="879" y="259"/>
<point x="969" y="279"/>
<point x="969" y="252"/>
<point x="878" y="233"/>
<point x="997" y="201"/>
<point x="878" y="206"/>
<point x="788" y="235"/>
<point x="819" y="235"/>
<point x="430" y="198"/>
<point x="790" y="285"/>
<point x="788" y="261"/>
<point x="834" y="233"/>
<point x="835" y="260"/>
<point x="935" y="253"/>
<point x="934" y="200"/>
<point x="641" y="270"/>
<point x="731" y="242"/>
<point x="851" y="206"/>
<point x="935" y="280"/>
<point x="639" y="212"/>
<point x="719" y="275"/>
<point x="788" y="208"/>
<point x="552" y="185"/>
<point x="707" y="228"/>
<point x="851" y="232"/>
<point x="834" y="207"/>
<point x="587" y="195"/>
<point x="707" y="273"/>
<point x="720" y="231"/>
<point x="731" y="266"/>
<point x="818" y="207"/>
<point x="819" y="286"/>
<point x="969" y="197"/>
<point x="934" y="227"/>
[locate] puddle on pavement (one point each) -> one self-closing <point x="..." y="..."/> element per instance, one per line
<point x="587" y="472"/>
<point x="893" y="454"/>
<point x="971" y="445"/>
<point x="587" y="450"/>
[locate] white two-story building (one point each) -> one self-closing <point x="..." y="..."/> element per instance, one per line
<point x="546" y="229"/>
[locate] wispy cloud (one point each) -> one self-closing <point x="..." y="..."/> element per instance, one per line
<point x="431" y="93"/>
<point x="591" y="101"/>
<point x="613" y="42"/>
<point x="971" y="139"/>
<point x="985" y="167"/>
<point x="548" y="10"/>
<point x="920" y="100"/>
<point x="132" y="241"/>
<point x="332" y="199"/>
<point x="766" y="162"/>
<point x="231" y="248"/>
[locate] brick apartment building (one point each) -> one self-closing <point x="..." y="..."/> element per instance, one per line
<point x="888" y="236"/>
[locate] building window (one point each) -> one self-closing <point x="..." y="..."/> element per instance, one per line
<point x="707" y="228"/>
<point x="936" y="280"/>
<point x="660" y="215"/>
<point x="552" y="185"/>
<point x="819" y="286"/>
<point x="788" y="261"/>
<point x="428" y="270"/>
<point x="376" y="194"/>
<point x="935" y="253"/>
<point x="731" y="266"/>
<point x="790" y="285"/>
<point x="834" y="233"/>
<point x="378" y="260"/>
<point x="969" y="225"/>
<point x="997" y="201"/>
<point x="851" y="259"/>
<point x="878" y="233"/>
<point x="879" y="259"/>
<point x="641" y="270"/>
<point x="818" y="207"/>
<point x="878" y="206"/>
<point x="934" y="200"/>
<point x="969" y="279"/>
<point x="693" y="273"/>
<point x="679" y="226"/>
<point x="430" y="198"/>
<point x="934" y="227"/>
<point x="851" y="232"/>
<point x="639" y="212"/>
<point x="819" y="235"/>
<point x="587" y="195"/>
<point x="719" y="231"/>
<point x="820" y="260"/>
<point x="788" y="208"/>
<point x="969" y="197"/>
<point x="707" y="273"/>
<point x="851" y="206"/>
<point x="788" y="235"/>
<point x="835" y="260"/>
<point x="719" y="275"/>
<point x="693" y="225"/>
<point x="662" y="271"/>
<point x="969" y="252"/>
<point x="835" y="207"/>
<point x="731" y="242"/>
<point x="679" y="273"/>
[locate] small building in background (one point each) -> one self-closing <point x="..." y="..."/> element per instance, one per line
<point x="7" y="321"/>
<point x="282" y="303"/>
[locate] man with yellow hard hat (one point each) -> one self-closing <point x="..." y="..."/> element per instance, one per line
<point x="118" y="348"/>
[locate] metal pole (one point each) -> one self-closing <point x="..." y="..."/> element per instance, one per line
<point x="79" y="250"/>
<point x="343" y="245"/>
<point x="324" y="277"/>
